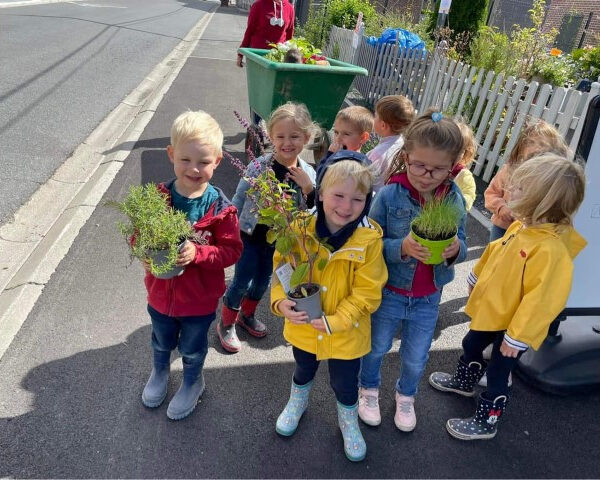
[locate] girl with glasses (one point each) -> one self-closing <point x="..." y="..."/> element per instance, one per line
<point x="433" y="145"/>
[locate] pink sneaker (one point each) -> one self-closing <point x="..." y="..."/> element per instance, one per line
<point x="368" y="406"/>
<point x="405" y="418"/>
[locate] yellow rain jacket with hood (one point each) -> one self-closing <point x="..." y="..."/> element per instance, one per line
<point x="522" y="281"/>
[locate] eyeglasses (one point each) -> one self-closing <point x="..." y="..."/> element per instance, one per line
<point x="420" y="170"/>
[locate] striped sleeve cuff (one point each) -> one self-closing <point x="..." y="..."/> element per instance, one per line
<point x="515" y="343"/>
<point x="472" y="279"/>
<point x="326" y="322"/>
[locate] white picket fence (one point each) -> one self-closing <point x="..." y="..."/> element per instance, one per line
<point x="493" y="105"/>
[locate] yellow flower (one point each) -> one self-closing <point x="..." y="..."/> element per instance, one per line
<point x="555" y="52"/>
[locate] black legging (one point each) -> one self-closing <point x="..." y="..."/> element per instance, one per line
<point x="499" y="367"/>
<point x="343" y="375"/>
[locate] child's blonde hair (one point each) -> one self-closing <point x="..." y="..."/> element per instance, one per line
<point x="543" y="136"/>
<point x="442" y="134"/>
<point x="297" y="112"/>
<point x="395" y="110"/>
<point x="359" y="117"/>
<point x="344" y="169"/>
<point x="470" y="146"/>
<point x="199" y="126"/>
<point x="552" y="189"/>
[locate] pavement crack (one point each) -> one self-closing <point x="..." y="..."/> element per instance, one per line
<point x="17" y="241"/>
<point x="8" y="289"/>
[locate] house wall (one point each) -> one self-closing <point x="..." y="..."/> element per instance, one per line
<point x="559" y="8"/>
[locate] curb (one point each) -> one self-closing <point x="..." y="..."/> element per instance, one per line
<point x="32" y="245"/>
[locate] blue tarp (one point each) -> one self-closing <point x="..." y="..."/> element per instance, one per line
<point x="404" y="38"/>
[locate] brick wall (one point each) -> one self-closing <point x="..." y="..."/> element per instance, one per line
<point x="559" y="8"/>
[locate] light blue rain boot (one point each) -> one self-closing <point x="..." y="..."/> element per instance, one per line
<point x="287" y="423"/>
<point x="192" y="386"/>
<point x="155" y="390"/>
<point x="354" y="443"/>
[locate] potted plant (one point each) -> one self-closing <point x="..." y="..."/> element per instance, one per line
<point x="288" y="230"/>
<point x="436" y="227"/>
<point x="154" y="231"/>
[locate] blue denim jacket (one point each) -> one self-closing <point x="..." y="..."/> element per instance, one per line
<point x="394" y="209"/>
<point x="246" y="206"/>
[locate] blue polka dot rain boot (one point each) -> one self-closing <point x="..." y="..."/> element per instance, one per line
<point x="462" y="381"/>
<point x="288" y="420"/>
<point x="483" y="425"/>
<point x="355" y="447"/>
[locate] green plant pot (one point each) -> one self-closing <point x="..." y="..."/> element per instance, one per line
<point x="311" y="304"/>
<point x="436" y="247"/>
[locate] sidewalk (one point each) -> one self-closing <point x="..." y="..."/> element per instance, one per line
<point x="71" y="380"/>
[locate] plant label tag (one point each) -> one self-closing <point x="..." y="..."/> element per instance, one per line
<point x="284" y="274"/>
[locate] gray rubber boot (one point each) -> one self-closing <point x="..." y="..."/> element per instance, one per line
<point x="155" y="390"/>
<point x="190" y="390"/>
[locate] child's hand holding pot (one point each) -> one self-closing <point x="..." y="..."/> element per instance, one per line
<point x="412" y="248"/>
<point x="451" y="250"/>
<point x="187" y="253"/>
<point x="286" y="307"/>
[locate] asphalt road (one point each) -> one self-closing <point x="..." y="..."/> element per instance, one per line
<point x="71" y="380"/>
<point x="64" y="67"/>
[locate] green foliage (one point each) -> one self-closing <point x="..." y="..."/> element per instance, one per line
<point x="490" y="50"/>
<point x="344" y="13"/>
<point x="587" y="61"/>
<point x="278" y="51"/>
<point x="555" y="70"/>
<point x="317" y="27"/>
<point x="438" y="220"/>
<point x="153" y="224"/>
<point x="464" y="16"/>
<point x="288" y="225"/>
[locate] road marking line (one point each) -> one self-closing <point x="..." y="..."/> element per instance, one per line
<point x="31" y="250"/>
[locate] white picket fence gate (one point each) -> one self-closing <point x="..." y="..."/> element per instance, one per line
<point x="493" y="105"/>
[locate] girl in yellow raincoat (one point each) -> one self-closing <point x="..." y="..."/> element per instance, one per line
<point x="519" y="286"/>
<point x="351" y="283"/>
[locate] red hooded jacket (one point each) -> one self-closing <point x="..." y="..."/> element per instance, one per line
<point x="198" y="289"/>
<point x="259" y="32"/>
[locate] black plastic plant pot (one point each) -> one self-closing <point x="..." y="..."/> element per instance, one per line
<point x="310" y="304"/>
<point x="160" y="257"/>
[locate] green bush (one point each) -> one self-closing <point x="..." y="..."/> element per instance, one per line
<point x="558" y="71"/>
<point x="587" y="61"/>
<point x="464" y="16"/>
<point x="490" y="50"/>
<point x="344" y="13"/>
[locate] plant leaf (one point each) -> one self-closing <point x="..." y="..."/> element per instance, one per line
<point x="298" y="275"/>
<point x="321" y="264"/>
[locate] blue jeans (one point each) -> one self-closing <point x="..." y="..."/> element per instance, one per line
<point x="416" y="318"/>
<point x="496" y="233"/>
<point x="252" y="273"/>
<point x="189" y="334"/>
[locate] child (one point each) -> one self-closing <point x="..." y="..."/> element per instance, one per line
<point x="182" y="308"/>
<point x="351" y="283"/>
<point x="290" y="128"/>
<point x="393" y="113"/>
<point x="518" y="287"/>
<point x="351" y="129"/>
<point x="462" y="175"/>
<point x="535" y="138"/>
<point x="420" y="172"/>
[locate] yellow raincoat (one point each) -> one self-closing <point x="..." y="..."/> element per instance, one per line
<point x="523" y="281"/>
<point x="351" y="285"/>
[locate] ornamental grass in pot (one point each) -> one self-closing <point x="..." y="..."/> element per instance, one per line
<point x="154" y="231"/>
<point x="436" y="227"/>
